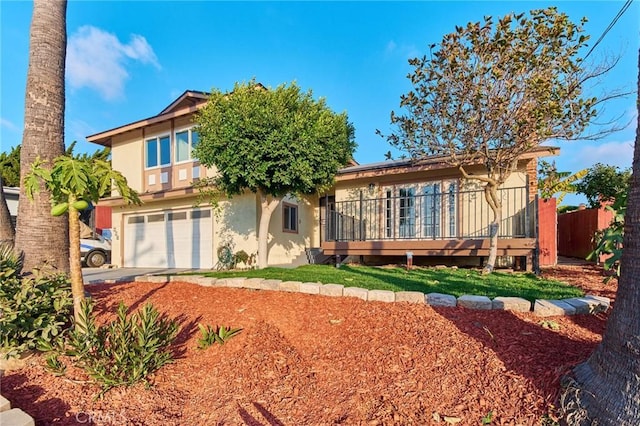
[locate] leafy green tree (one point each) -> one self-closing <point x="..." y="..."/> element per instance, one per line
<point x="272" y="142"/>
<point x="10" y="167"/>
<point x="604" y="183"/>
<point x="494" y="90"/>
<point x="552" y="182"/>
<point x="74" y="182"/>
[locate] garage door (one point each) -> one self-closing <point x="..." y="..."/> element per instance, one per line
<point x="169" y="239"/>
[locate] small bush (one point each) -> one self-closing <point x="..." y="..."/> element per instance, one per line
<point x="10" y="262"/>
<point x="125" y="351"/>
<point x="241" y="257"/>
<point x="220" y="334"/>
<point x="35" y="311"/>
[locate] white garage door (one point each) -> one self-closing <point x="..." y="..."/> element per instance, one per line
<point x="169" y="239"/>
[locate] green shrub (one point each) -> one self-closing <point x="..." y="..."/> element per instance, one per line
<point x="125" y="351"/>
<point x="241" y="257"/>
<point x="220" y="334"/>
<point x="10" y="262"/>
<point x="35" y="311"/>
<point x="609" y="241"/>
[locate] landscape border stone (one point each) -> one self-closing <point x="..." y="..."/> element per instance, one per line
<point x="360" y="293"/>
<point x="441" y="300"/>
<point x="470" y="301"/>
<point x="382" y="296"/>
<point x="290" y="286"/>
<point x="549" y="308"/>
<point x="270" y="285"/>
<point x="517" y="304"/>
<point x="16" y="417"/>
<point x="4" y="404"/>
<point x="333" y="290"/>
<point x="588" y="304"/>
<point x="310" y="288"/>
<point x="410" y="297"/>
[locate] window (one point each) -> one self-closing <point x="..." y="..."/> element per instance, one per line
<point x="200" y="214"/>
<point x="289" y="218"/>
<point x="186" y="140"/>
<point x="407" y="212"/>
<point x="158" y="151"/>
<point x="431" y="213"/>
<point x="177" y="216"/>
<point x="155" y="218"/>
<point x="452" y="209"/>
<point x="389" y="214"/>
<point x="425" y="210"/>
<point x="136" y="219"/>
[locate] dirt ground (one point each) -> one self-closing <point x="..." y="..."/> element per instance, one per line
<point x="315" y="360"/>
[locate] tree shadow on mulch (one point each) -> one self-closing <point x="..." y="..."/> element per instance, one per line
<point x="595" y="323"/>
<point x="28" y="399"/>
<point x="102" y="291"/>
<point x="526" y="348"/>
<point x="250" y="420"/>
<point x="187" y="327"/>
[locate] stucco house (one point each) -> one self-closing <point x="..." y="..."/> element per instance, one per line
<point x="374" y="210"/>
<point x="12" y="194"/>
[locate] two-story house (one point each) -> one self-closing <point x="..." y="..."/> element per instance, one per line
<point x="378" y="211"/>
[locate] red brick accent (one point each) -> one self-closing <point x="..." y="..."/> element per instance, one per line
<point x="532" y="177"/>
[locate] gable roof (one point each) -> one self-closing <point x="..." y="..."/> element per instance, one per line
<point x="187" y="99"/>
<point x="189" y="102"/>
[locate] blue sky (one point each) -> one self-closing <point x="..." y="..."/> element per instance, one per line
<point x="128" y="60"/>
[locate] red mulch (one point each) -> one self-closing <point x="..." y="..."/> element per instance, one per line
<point x="315" y="360"/>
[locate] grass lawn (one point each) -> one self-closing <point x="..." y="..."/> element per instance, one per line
<point x="427" y="280"/>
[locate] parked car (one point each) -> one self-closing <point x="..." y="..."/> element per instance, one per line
<point x="95" y="250"/>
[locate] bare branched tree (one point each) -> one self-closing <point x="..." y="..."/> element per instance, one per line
<point x="493" y="91"/>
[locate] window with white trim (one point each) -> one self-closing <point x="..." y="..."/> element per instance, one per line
<point x="158" y="151"/>
<point x="185" y="141"/>
<point x="289" y="217"/>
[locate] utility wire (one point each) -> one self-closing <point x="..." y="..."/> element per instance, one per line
<point x="611" y="25"/>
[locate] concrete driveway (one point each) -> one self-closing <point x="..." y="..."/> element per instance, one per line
<point x="98" y="275"/>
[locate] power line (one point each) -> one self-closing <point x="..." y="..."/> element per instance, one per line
<point x="611" y="25"/>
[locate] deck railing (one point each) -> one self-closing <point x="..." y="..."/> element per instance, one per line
<point x="430" y="215"/>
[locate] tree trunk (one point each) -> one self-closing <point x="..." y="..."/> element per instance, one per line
<point x="268" y="205"/>
<point x="7" y="234"/>
<point x="491" y="195"/>
<point x="605" y="389"/>
<point x="77" y="283"/>
<point x="44" y="238"/>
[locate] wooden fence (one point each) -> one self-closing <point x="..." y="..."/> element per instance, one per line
<point x="577" y="228"/>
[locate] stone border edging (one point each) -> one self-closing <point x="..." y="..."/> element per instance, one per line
<point x="13" y="416"/>
<point x="588" y="304"/>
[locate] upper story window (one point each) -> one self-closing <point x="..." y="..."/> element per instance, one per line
<point x="186" y="140"/>
<point x="289" y="217"/>
<point x="158" y="151"/>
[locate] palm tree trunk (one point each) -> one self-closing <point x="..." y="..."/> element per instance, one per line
<point x="44" y="238"/>
<point x="7" y="234"/>
<point x="605" y="389"/>
<point x="268" y="205"/>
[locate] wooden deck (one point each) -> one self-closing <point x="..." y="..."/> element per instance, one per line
<point x="466" y="247"/>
